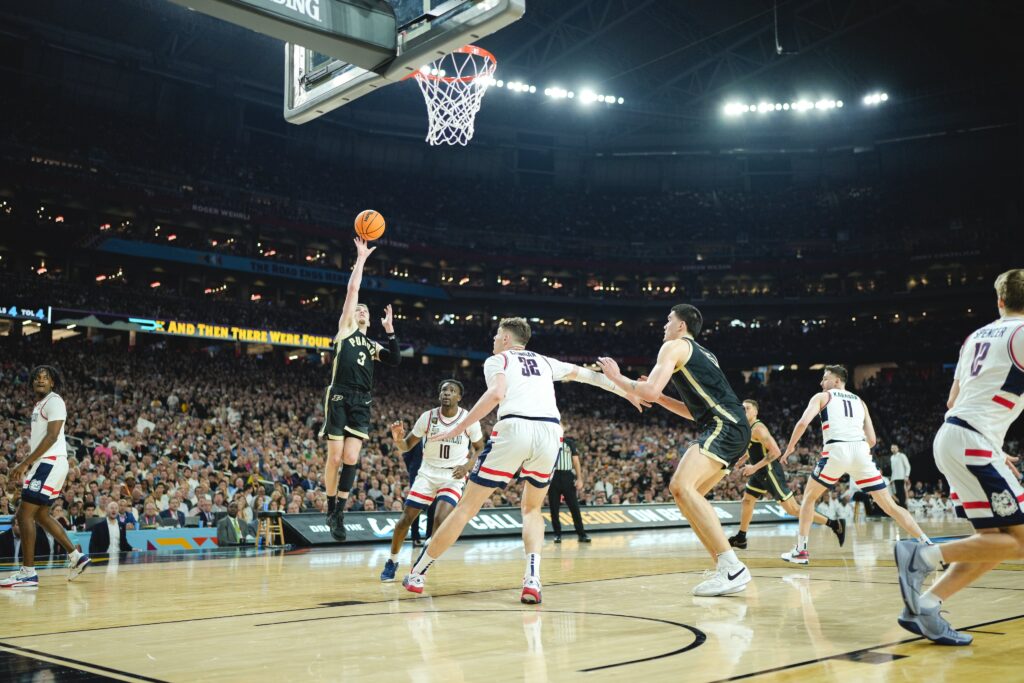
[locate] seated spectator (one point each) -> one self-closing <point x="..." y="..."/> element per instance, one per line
<point x="150" y="518"/>
<point x="173" y="516"/>
<point x="230" y="529"/>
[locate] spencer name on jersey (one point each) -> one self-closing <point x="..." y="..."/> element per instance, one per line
<point x="991" y="376"/>
<point x="447" y="452"/>
<point x="353" y="362"/>
<point x="529" y="382"/>
<point x="842" y="418"/>
<point x="705" y="391"/>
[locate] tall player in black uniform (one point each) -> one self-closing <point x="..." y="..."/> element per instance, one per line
<point x="724" y="435"/>
<point x="347" y="400"/>
<point x="768" y="479"/>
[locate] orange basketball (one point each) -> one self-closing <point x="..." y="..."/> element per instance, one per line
<point x="369" y="225"/>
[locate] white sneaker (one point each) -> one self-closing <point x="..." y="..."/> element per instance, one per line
<point x="531" y="592"/>
<point x="23" y="578"/>
<point x="725" y="581"/>
<point x="76" y="564"/>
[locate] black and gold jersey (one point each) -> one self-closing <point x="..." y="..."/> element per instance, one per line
<point x="702" y="386"/>
<point x="353" y="362"/>
<point x="755" y="449"/>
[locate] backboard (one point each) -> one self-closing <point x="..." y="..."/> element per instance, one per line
<point x="316" y="83"/>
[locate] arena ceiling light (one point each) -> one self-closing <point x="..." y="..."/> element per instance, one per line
<point x="876" y="98"/>
<point x="585" y="96"/>
<point x="737" y="109"/>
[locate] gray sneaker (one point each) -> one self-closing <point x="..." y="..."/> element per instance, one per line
<point x="912" y="571"/>
<point x="930" y="624"/>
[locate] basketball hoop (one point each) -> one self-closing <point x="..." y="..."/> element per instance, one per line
<point x="453" y="87"/>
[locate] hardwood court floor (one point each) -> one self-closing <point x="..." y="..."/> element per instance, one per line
<point x="618" y="609"/>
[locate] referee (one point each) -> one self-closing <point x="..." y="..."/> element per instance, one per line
<point x="567" y="478"/>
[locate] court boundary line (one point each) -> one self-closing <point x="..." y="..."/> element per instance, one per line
<point x="699" y="636"/>
<point x="79" y="665"/>
<point x="808" y="662"/>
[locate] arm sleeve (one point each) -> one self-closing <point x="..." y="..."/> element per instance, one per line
<point x="474" y="432"/>
<point x="495" y="365"/>
<point x="392" y="354"/>
<point x="559" y="369"/>
<point x="420" y="428"/>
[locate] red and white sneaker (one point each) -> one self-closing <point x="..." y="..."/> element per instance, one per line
<point x="797" y="556"/>
<point x="531" y="592"/>
<point x="414" y="583"/>
<point x="24" y="578"/>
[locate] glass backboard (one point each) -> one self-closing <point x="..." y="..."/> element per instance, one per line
<point x="427" y="30"/>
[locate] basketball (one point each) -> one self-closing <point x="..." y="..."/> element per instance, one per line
<point x="370" y="225"/>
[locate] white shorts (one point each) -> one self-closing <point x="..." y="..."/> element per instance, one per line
<point x="853" y="458"/>
<point x="45" y="479"/>
<point x="434" y="482"/>
<point x="520" y="446"/>
<point x="981" y="486"/>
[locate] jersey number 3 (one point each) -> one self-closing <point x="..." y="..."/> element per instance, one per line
<point x="362" y="358"/>
<point x="529" y="366"/>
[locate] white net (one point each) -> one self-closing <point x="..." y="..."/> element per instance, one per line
<point x="453" y="87"/>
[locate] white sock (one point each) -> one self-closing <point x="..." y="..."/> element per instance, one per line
<point x="532" y="566"/>
<point x="394" y="557"/>
<point x="932" y="555"/>
<point x="728" y="559"/>
<point x="924" y="538"/>
<point x="801" y="542"/>
<point x="423" y="562"/>
<point x="929" y="601"/>
<point x="30" y="570"/>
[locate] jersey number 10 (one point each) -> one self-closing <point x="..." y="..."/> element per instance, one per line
<point x="446" y="451"/>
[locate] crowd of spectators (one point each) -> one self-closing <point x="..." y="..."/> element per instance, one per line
<point x="170" y="433"/>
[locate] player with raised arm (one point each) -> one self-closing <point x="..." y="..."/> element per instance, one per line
<point x="766" y="478"/>
<point x="445" y="464"/>
<point x="42" y="475"/>
<point x="524" y="440"/>
<point x="987" y="396"/>
<point x="708" y="400"/>
<point x="347" y="399"/>
<point x="848" y="435"/>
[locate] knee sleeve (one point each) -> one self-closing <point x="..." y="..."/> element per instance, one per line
<point x="347" y="479"/>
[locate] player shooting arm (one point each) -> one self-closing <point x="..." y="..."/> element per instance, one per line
<point x="392" y="355"/>
<point x="814" y="407"/>
<point x="347" y="321"/>
<point x="761" y="434"/>
<point x="869" y="427"/>
<point x="672" y="354"/>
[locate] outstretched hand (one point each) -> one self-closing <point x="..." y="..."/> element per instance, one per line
<point x="638" y="402"/>
<point x="363" y="248"/>
<point x="397" y="430"/>
<point x="388" y="321"/>
<point x="450" y="434"/>
<point x="609" y="367"/>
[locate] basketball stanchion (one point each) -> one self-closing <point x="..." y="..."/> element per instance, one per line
<point x="453" y="87"/>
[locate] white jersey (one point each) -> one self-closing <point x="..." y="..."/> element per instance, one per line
<point x="450" y="452"/>
<point x="530" y="380"/>
<point x="842" y="418"/>
<point x="991" y="376"/>
<point x="47" y="410"/>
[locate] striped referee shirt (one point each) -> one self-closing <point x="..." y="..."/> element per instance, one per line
<point x="565" y="454"/>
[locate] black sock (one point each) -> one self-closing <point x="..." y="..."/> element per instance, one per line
<point x="331" y="502"/>
<point x="741" y="534"/>
<point x="832" y="524"/>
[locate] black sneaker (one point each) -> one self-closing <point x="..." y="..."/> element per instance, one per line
<point x="738" y="541"/>
<point x="558" y="538"/>
<point x="336" y="521"/>
<point x="839" y="529"/>
<point x="584" y="538"/>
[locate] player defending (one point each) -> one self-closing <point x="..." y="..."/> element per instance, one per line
<point x="708" y="400"/>
<point x="347" y="399"/>
<point x="525" y="439"/>
<point x="848" y="436"/>
<point x="43" y="473"/>
<point x="985" y="399"/>
<point x="445" y="465"/>
<point x="768" y="479"/>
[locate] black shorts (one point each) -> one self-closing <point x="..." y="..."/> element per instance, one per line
<point x="346" y="413"/>
<point x="769" y="481"/>
<point x="724" y="441"/>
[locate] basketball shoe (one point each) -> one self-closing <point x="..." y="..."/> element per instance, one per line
<point x="797" y="556"/>
<point x="531" y="592"/>
<point x="414" y="583"/>
<point x="724" y="581"/>
<point x="25" y="577"/>
<point x="390" y="567"/>
<point x="77" y="563"/>
<point x="930" y="624"/>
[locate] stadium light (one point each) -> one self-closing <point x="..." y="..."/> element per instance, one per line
<point x="734" y="109"/>
<point x="876" y="98"/>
